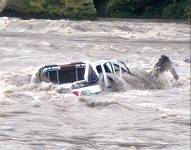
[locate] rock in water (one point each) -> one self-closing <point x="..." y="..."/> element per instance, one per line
<point x="79" y="9"/>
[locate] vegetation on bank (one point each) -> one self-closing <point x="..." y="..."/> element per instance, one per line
<point x="86" y="9"/>
<point x="77" y="9"/>
<point x="166" y="9"/>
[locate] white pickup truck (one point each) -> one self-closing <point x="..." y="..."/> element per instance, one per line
<point x="83" y="77"/>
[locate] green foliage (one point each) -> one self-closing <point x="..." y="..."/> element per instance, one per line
<point x="188" y="12"/>
<point x="146" y="8"/>
<point x="177" y="9"/>
<point x="72" y="9"/>
<point x="86" y="9"/>
<point x="78" y="9"/>
<point x="100" y="6"/>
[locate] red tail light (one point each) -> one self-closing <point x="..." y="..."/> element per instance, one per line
<point x="77" y="93"/>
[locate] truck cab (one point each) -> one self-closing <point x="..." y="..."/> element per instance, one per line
<point x="84" y="77"/>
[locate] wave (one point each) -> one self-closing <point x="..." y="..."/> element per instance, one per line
<point x="141" y="80"/>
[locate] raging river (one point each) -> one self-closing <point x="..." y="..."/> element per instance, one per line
<point x="46" y="117"/>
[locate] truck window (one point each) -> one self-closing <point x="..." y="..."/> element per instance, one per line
<point x="92" y="77"/>
<point x="124" y="67"/>
<point x="108" y="68"/>
<point x="52" y="75"/>
<point x="99" y="69"/>
<point x="116" y="67"/>
<point x="71" y="74"/>
<point x="67" y="75"/>
<point x="80" y="73"/>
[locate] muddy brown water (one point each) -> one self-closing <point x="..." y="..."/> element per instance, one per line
<point x="45" y="117"/>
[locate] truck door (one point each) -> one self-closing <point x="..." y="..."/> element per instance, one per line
<point x="103" y="70"/>
<point x="120" y="68"/>
<point x="117" y="69"/>
<point x="107" y="69"/>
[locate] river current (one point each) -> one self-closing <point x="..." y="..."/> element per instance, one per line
<point x="45" y="117"/>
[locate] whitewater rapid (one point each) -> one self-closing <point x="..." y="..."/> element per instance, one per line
<point x="45" y="116"/>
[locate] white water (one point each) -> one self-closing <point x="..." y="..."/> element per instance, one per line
<point x="44" y="116"/>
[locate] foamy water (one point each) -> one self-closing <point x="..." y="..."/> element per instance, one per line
<point x="45" y="116"/>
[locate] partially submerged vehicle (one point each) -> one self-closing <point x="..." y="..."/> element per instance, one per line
<point x="84" y="78"/>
